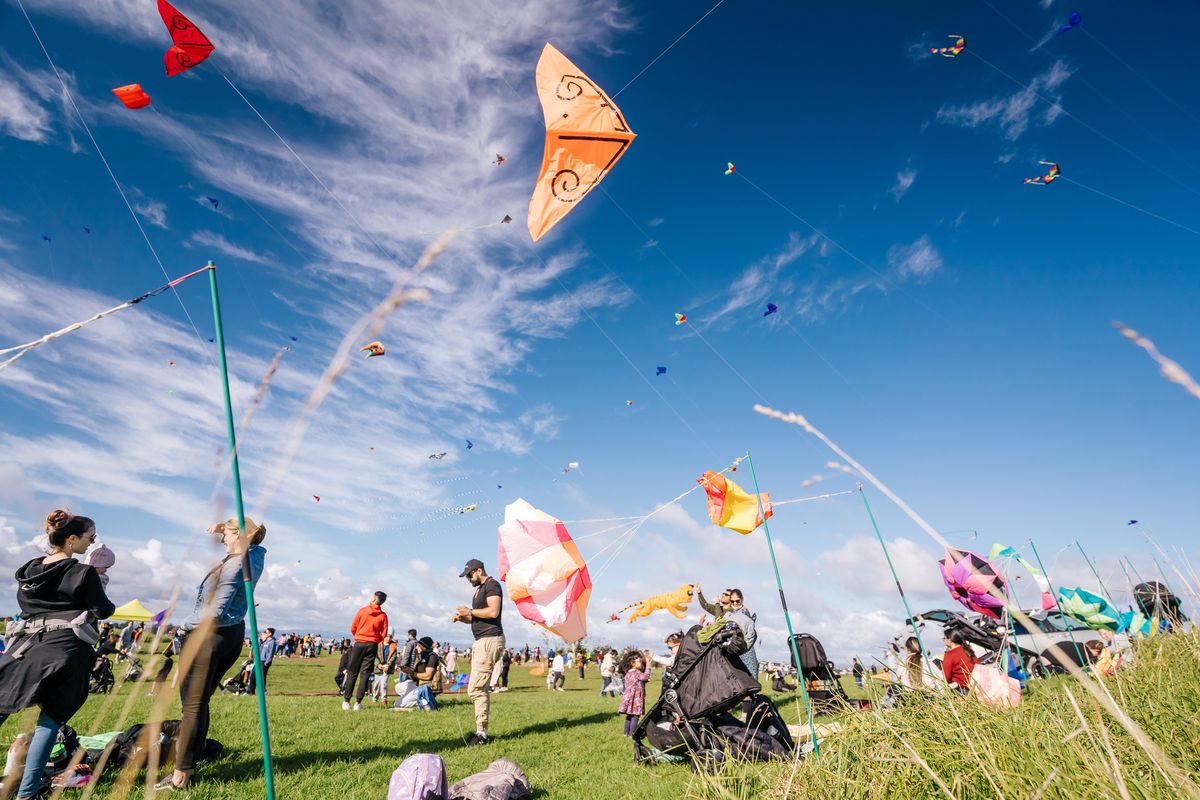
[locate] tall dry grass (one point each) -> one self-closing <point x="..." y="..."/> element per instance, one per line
<point x="1060" y="743"/>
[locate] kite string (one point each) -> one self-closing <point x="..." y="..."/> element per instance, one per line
<point x="887" y="282"/>
<point x="1147" y="81"/>
<point x="22" y="349"/>
<point x="1089" y="126"/>
<point x="120" y="190"/>
<point x="668" y="48"/>
<point x="688" y="278"/>
<point x="1128" y="205"/>
<point x="807" y="499"/>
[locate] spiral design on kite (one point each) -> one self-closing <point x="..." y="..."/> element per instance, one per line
<point x="569" y="84"/>
<point x="183" y="58"/>
<point x="565" y="182"/>
<point x="180" y="23"/>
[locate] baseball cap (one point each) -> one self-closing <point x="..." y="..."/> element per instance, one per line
<point x="471" y="566"/>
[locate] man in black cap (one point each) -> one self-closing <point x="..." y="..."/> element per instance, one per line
<point x="484" y="618"/>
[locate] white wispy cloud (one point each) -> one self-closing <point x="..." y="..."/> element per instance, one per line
<point x="23" y="95"/>
<point x="918" y="260"/>
<point x="904" y="181"/>
<point x="1013" y="113"/>
<point x="398" y="148"/>
<point x="761" y="280"/>
<point x="153" y="211"/>
<point x="222" y="245"/>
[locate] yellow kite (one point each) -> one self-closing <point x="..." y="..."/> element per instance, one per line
<point x="730" y="506"/>
<point x="585" y="136"/>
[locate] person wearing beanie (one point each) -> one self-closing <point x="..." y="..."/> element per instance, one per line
<point x="101" y="559"/>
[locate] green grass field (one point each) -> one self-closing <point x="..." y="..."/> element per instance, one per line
<point x="1058" y="744"/>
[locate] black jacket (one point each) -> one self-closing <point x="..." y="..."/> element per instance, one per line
<point x="66" y="585"/>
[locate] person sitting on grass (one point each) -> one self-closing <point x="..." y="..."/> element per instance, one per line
<point x="427" y="673"/>
<point x="958" y="663"/>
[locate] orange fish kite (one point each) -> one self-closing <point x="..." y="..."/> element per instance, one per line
<point x="730" y="506"/>
<point x="586" y="135"/>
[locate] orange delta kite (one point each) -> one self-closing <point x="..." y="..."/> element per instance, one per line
<point x="585" y="137"/>
<point x="547" y="577"/>
<point x="133" y="95"/>
<point x="730" y="506"/>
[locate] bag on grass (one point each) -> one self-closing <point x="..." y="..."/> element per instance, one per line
<point x="995" y="689"/>
<point x="419" y="777"/>
<point x="502" y="780"/>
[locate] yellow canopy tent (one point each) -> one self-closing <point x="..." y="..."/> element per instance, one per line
<point x="133" y="611"/>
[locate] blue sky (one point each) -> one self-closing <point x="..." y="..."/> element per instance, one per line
<point x="946" y="324"/>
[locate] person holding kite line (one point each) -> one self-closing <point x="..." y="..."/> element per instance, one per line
<point x="51" y="647"/>
<point x="484" y="618"/>
<point x="215" y="632"/>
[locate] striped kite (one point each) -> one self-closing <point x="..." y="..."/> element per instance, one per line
<point x="547" y="577"/>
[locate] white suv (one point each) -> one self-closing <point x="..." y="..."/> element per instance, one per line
<point x="1064" y="634"/>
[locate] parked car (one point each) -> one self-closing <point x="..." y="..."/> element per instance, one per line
<point x="1067" y="638"/>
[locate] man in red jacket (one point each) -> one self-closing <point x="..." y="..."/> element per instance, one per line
<point x="369" y="627"/>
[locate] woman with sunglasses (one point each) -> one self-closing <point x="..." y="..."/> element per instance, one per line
<point x="51" y="648"/>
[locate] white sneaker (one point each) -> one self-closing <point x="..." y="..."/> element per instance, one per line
<point x="357" y="707"/>
<point x="345" y="705"/>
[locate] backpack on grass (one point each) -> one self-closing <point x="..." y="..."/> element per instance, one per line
<point x="419" y="777"/>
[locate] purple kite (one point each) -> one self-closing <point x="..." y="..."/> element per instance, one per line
<point x="971" y="579"/>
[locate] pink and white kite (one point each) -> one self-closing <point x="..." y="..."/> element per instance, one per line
<point x="546" y="576"/>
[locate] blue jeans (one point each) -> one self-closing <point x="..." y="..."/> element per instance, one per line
<point x="39" y="750"/>
<point x="425" y="699"/>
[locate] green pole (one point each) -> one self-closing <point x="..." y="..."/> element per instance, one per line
<point x="904" y="598"/>
<point x="1050" y="581"/>
<point x="247" y="578"/>
<point x="1092" y="566"/>
<point x="812" y="727"/>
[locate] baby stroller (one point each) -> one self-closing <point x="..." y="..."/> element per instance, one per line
<point x="102" y="679"/>
<point x="692" y="721"/>
<point x="816" y="670"/>
<point x="134" y="670"/>
<point x="239" y="682"/>
<point x="1154" y="599"/>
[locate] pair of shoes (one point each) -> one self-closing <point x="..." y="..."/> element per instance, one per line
<point x="345" y="705"/>
<point x="167" y="784"/>
<point x="478" y="738"/>
<point x="358" y="707"/>
<point x="561" y="689"/>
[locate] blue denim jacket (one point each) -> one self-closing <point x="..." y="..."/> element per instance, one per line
<point x="221" y="596"/>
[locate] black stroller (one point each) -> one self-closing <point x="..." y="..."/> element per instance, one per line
<point x="692" y="721"/>
<point x="102" y="680"/>
<point x="1154" y="599"/>
<point x="820" y="679"/>
<point x="134" y="670"/>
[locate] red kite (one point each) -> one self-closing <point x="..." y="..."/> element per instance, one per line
<point x="133" y="96"/>
<point x="191" y="46"/>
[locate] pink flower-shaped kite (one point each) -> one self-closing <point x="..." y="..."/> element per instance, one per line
<point x="971" y="579"/>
